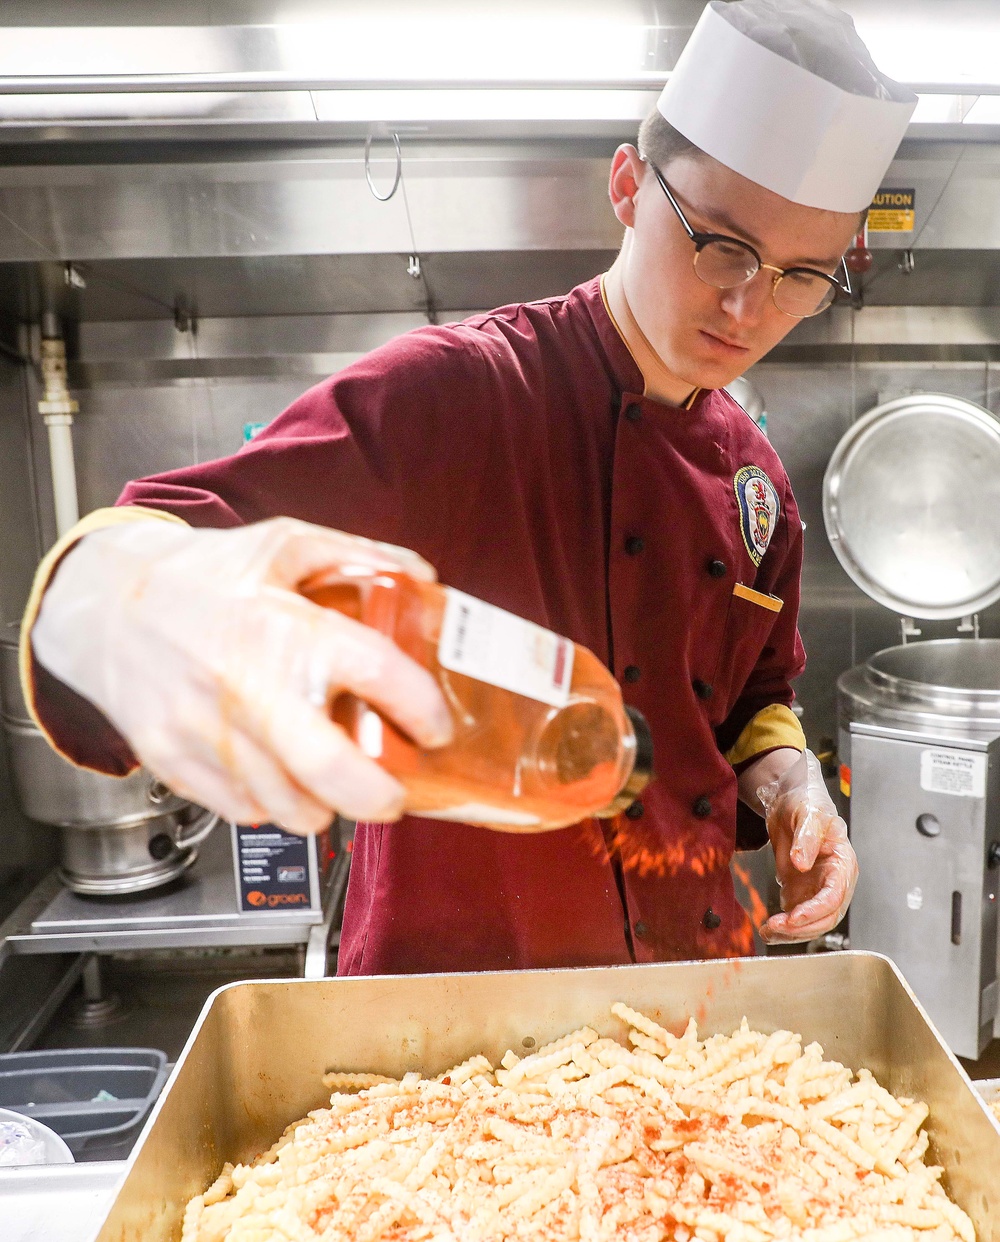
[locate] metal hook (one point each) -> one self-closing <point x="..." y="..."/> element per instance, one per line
<point x="383" y="198"/>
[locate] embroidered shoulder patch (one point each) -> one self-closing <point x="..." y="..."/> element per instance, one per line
<point x="759" y="509"/>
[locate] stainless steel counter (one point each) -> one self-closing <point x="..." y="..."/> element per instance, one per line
<point x="200" y="911"/>
<point x="57" y="1203"/>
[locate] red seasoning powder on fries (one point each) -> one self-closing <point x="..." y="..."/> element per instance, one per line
<point x="740" y="1138"/>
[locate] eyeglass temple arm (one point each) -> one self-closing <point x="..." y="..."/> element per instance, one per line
<point x="847" y="278"/>
<point x="673" y="202"/>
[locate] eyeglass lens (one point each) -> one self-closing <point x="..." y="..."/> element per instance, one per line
<point x="726" y="264"/>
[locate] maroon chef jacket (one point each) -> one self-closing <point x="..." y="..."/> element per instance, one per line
<point x="517" y="453"/>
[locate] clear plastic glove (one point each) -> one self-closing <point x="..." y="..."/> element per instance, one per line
<point x="198" y="649"/>
<point x="816" y="865"/>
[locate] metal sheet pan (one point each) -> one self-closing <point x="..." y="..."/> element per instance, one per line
<point x="255" y="1058"/>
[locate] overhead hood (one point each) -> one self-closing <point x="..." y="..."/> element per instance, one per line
<point x="145" y="134"/>
<point x="438" y="67"/>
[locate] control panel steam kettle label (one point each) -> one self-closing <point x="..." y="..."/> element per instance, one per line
<point x="961" y="773"/>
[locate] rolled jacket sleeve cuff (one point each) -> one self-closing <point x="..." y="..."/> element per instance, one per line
<point x="73" y="726"/>
<point x="774" y="727"/>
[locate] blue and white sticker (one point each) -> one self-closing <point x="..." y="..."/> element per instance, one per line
<point x="759" y="509"/>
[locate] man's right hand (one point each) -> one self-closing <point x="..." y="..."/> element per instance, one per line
<point x="197" y="648"/>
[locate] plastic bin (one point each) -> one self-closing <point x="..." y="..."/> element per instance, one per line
<point x="96" y="1099"/>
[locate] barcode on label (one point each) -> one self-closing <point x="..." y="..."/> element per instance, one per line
<point x="494" y="646"/>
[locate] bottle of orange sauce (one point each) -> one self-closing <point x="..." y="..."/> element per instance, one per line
<point x="542" y="738"/>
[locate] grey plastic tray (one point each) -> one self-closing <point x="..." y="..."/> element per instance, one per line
<point x="59" y="1088"/>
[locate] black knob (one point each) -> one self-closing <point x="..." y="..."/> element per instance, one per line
<point x="161" y="846"/>
<point x="717" y="569"/>
<point x="633" y="412"/>
<point x="635" y="811"/>
<point x="634" y="545"/>
<point x="702" y="808"/>
<point x="711" y="920"/>
<point x="631" y="673"/>
<point x="701" y="688"/>
<point x="640" y="929"/>
<point x="993" y="856"/>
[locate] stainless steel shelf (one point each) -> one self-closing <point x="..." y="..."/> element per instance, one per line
<point x="60" y="1202"/>
<point x="199" y="910"/>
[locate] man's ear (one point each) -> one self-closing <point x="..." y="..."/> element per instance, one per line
<point x="626" y="168"/>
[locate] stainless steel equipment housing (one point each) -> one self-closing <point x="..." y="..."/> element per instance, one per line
<point x="929" y="847"/>
<point x="254" y="1061"/>
<point x="111" y="860"/>
<point x="119" y="834"/>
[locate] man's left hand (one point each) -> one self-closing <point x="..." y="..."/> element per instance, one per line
<point x="816" y="866"/>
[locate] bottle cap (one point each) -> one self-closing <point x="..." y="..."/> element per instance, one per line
<point x="642" y="769"/>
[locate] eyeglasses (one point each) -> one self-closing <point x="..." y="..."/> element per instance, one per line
<point x="724" y="262"/>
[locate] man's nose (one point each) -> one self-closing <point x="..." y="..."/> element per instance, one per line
<point x="747" y="303"/>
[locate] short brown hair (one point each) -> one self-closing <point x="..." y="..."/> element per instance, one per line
<point x="660" y="143"/>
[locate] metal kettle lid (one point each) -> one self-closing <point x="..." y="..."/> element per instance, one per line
<point x="910" y="501"/>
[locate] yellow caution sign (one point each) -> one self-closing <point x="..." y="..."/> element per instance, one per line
<point x="892" y="211"/>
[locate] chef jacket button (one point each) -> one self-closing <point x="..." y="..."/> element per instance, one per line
<point x="631" y="673"/>
<point x="701" y="688"/>
<point x="634" y="545"/>
<point x="711" y="920"/>
<point x="635" y="811"/>
<point x="633" y="412"/>
<point x="716" y="568"/>
<point x="640" y="929"/>
<point x="702" y="808"/>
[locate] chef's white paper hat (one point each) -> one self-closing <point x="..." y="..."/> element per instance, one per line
<point x="785" y="93"/>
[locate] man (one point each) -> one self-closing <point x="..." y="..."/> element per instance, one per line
<point x="574" y="461"/>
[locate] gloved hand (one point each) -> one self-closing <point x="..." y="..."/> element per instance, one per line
<point x="197" y="648"/>
<point x="816" y="865"/>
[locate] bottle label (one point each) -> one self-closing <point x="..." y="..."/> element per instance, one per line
<point x="481" y="813"/>
<point x="494" y="646"/>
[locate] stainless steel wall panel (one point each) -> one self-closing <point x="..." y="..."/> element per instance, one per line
<point x="485" y="196"/>
<point x="18" y="512"/>
<point x="552" y="200"/>
<point x="249" y="337"/>
<point x="257" y="286"/>
<point x="26" y="850"/>
<point x="132" y="431"/>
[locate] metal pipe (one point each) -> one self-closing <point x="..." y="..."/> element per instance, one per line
<point x="283" y="80"/>
<point x="57" y="408"/>
<point x="182" y="83"/>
